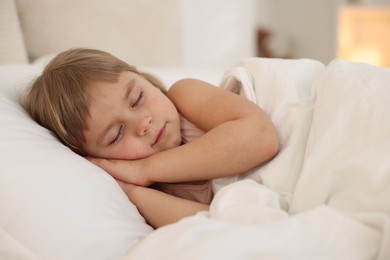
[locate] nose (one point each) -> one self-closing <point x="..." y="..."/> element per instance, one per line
<point x="143" y="125"/>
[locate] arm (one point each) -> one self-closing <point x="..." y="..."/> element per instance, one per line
<point x="159" y="208"/>
<point x="239" y="136"/>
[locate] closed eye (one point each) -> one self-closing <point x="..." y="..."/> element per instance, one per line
<point x="141" y="95"/>
<point x="118" y="136"/>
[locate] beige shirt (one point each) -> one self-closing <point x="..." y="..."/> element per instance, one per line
<point x="199" y="191"/>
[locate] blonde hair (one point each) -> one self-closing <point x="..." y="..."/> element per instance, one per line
<point x="59" y="98"/>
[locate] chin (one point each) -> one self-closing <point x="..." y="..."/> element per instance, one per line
<point x="173" y="144"/>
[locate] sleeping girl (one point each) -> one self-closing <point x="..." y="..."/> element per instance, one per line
<point x="162" y="147"/>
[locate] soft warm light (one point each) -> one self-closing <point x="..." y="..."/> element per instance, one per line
<point x="364" y="35"/>
<point x="367" y="55"/>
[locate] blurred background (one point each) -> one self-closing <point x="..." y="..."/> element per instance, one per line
<point x="198" y="33"/>
<point x="356" y="30"/>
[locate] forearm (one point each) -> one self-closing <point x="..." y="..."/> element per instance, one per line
<point x="224" y="151"/>
<point x="159" y="208"/>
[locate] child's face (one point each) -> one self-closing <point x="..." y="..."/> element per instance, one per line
<point x="130" y="119"/>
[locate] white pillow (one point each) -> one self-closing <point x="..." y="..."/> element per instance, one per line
<point x="347" y="161"/>
<point x="140" y="32"/>
<point x="52" y="201"/>
<point x="12" y="48"/>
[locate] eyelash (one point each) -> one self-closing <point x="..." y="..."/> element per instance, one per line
<point x="118" y="136"/>
<point x="121" y="129"/>
<point x="141" y="95"/>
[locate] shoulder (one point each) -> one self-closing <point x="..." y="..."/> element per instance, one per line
<point x="195" y="92"/>
<point x="186" y="82"/>
<point x="192" y="98"/>
<point x="190" y="94"/>
<point x="206" y="105"/>
<point x="188" y="86"/>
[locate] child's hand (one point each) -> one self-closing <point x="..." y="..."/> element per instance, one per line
<point x="124" y="170"/>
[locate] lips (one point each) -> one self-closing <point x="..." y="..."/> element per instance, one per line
<point x="159" y="135"/>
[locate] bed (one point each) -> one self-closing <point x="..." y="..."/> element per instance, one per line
<point x="324" y="196"/>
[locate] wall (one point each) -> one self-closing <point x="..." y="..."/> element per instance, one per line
<point x="217" y="33"/>
<point x="303" y="28"/>
<point x="306" y="28"/>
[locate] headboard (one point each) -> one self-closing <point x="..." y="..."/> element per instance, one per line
<point x="142" y="32"/>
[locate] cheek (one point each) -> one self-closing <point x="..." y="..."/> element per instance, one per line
<point x="163" y="104"/>
<point x="133" y="150"/>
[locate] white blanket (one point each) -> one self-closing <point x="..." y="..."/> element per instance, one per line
<point x="325" y="196"/>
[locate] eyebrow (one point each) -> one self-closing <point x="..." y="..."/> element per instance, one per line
<point x="129" y="88"/>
